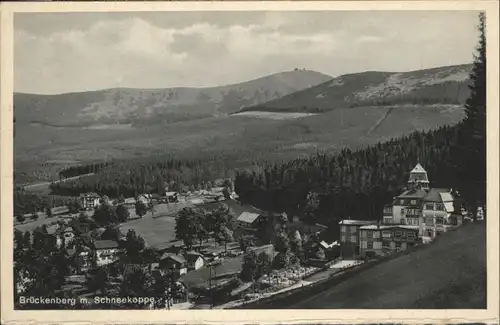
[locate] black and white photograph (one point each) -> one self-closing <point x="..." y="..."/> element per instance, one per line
<point x="257" y="160"/>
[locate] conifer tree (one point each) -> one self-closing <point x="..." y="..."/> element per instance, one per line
<point x="471" y="159"/>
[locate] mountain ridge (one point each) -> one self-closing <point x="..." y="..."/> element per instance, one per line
<point x="443" y="85"/>
<point x="161" y="105"/>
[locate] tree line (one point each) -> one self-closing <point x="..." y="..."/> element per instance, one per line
<point x="28" y="202"/>
<point x="73" y="171"/>
<point x="131" y="178"/>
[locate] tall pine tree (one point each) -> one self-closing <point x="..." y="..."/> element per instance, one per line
<point x="472" y="133"/>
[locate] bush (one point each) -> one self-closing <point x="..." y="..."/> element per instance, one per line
<point x="20" y="218"/>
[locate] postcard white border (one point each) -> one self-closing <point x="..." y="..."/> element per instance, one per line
<point x="490" y="315"/>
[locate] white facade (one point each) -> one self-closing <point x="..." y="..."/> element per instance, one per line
<point x="106" y="256"/>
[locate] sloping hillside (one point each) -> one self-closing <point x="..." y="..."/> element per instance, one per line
<point x="445" y="85"/>
<point x="146" y="106"/>
<point x="448" y="274"/>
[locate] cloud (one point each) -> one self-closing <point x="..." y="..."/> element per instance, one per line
<point x="81" y="53"/>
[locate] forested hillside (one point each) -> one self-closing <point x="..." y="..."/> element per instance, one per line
<point x="353" y="184"/>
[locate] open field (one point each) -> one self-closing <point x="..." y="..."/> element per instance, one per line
<point x="273" y="116"/>
<point x="450" y="273"/>
<point x="243" y="139"/>
<point x="155" y="230"/>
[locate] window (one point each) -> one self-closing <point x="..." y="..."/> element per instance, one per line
<point x="354" y="239"/>
<point x="369" y="245"/>
<point x="386" y="234"/>
<point x="343" y="229"/>
<point x="413" y="202"/>
<point x="429" y="206"/>
<point x="398" y="245"/>
<point x="439" y="207"/>
<point x="369" y="234"/>
<point x="402" y="211"/>
<point x="439" y="220"/>
<point x="386" y="245"/>
<point x="403" y="221"/>
<point x="343" y="238"/>
<point x="410" y="235"/>
<point x="387" y="220"/>
<point x="353" y="229"/>
<point x="398" y="234"/>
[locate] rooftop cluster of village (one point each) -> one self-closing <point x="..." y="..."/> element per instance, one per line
<point x="164" y="248"/>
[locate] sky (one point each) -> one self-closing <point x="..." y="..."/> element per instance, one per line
<point x="72" y="52"/>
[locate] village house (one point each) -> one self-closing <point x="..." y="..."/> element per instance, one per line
<point x="439" y="213"/>
<point x="212" y="253"/>
<point x="175" y="263"/>
<point x="248" y="220"/>
<point x="349" y="236"/>
<point x="63" y="234"/>
<point x="106" y="252"/>
<point x="90" y="200"/>
<point x="194" y="260"/>
<point x="81" y="258"/>
<point x="379" y="240"/>
<point x="433" y="210"/>
<point x="147" y="199"/>
<point x="172" y="197"/>
<point x="407" y="207"/>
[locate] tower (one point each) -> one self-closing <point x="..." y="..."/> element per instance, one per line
<point x="418" y="178"/>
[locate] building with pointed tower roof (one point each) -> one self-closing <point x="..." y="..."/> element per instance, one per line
<point x="418" y="178"/>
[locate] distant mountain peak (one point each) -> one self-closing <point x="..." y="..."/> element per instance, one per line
<point x="145" y="106"/>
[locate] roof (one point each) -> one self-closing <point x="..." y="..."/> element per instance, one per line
<point x="51" y="230"/>
<point x="381" y="227"/>
<point x="325" y="245"/>
<point x="268" y="249"/>
<point x="193" y="256"/>
<point x="412" y="194"/>
<point x="166" y="245"/>
<point x="61" y="209"/>
<point x="176" y="258"/>
<point x="418" y="169"/>
<point x="103" y="244"/>
<point x="304" y="228"/>
<point x="90" y="194"/>
<point x="248" y="217"/>
<point x="434" y="194"/>
<point x="448" y="206"/>
<point x="193" y="253"/>
<point x="446" y="197"/>
<point x="357" y="222"/>
<point x="213" y="250"/>
<point x="235" y="206"/>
